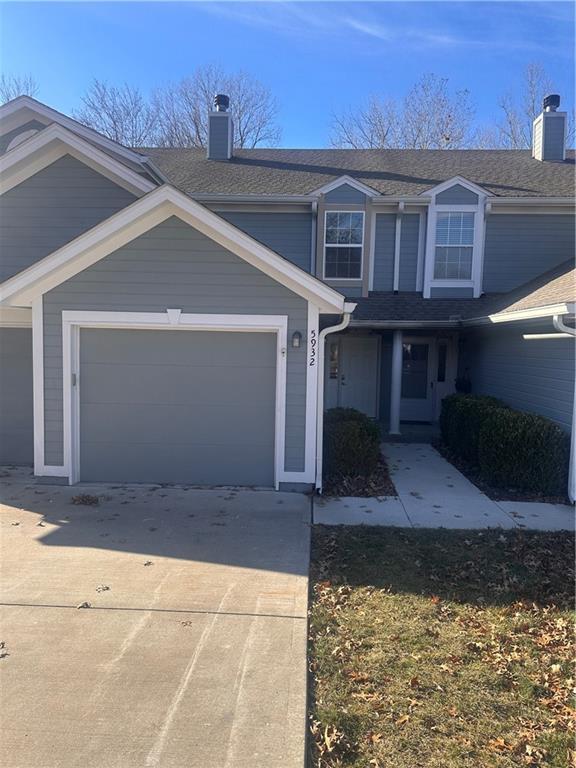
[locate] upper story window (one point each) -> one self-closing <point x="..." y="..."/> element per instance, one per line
<point x="454" y="245"/>
<point x="343" y="241"/>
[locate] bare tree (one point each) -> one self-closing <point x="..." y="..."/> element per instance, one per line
<point x="373" y="126"/>
<point x="183" y="109"/>
<point x="12" y="86"/>
<point x="514" y="130"/>
<point x="121" y="113"/>
<point x="429" y="117"/>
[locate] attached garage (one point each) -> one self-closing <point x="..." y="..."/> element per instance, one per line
<point x="16" y="407"/>
<point x="177" y="406"/>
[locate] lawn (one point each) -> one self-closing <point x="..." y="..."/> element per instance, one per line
<point x="441" y="649"/>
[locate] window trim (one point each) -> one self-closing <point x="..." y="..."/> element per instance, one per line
<point x="344" y="245"/>
<point x="475" y="281"/>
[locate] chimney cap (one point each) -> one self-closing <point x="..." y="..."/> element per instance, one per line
<point x="221" y="102"/>
<point x="551" y="102"/>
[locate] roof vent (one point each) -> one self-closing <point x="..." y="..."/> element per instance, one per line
<point x="551" y="102"/>
<point x="221" y="102"/>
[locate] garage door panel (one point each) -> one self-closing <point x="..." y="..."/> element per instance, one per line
<point x="16" y="404"/>
<point x="176" y="347"/>
<point x="179" y="423"/>
<point x="105" y="383"/>
<point x="205" y="465"/>
<point x="177" y="406"/>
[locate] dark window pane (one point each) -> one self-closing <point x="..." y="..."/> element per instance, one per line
<point x="343" y="262"/>
<point x="415" y="371"/>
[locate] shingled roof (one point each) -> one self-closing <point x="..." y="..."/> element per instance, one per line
<point x="505" y="173"/>
<point x="557" y="286"/>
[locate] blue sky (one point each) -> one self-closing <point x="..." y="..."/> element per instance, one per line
<point x="318" y="58"/>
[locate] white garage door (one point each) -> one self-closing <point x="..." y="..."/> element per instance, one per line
<point x="178" y="406"/>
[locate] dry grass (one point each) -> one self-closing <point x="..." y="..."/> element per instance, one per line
<point x="441" y="649"/>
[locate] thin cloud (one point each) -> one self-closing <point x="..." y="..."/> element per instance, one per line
<point x="300" y="19"/>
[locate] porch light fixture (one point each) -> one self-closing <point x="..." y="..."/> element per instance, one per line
<point x="296" y="339"/>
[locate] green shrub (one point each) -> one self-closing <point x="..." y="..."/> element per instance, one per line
<point x="524" y="451"/>
<point x="351" y="443"/>
<point x="461" y="420"/>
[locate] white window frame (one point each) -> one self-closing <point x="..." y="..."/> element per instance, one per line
<point x="344" y="245"/>
<point x="480" y="211"/>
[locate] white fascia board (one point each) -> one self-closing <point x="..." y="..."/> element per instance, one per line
<point x="140" y="217"/>
<point x="52" y="115"/>
<point x="433" y="191"/>
<point x="420" y="200"/>
<point x="405" y="324"/>
<point x="340" y="181"/>
<point x="521" y="314"/>
<point x="222" y="198"/>
<point x="498" y="202"/>
<point x="48" y="145"/>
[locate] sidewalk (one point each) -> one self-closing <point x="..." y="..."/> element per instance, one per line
<point x="434" y="494"/>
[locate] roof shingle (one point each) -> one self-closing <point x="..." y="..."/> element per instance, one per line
<point x="395" y="172"/>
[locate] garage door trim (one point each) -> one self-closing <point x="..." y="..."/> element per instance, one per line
<point x="172" y="319"/>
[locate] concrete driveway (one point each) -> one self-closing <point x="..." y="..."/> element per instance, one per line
<point x="192" y="651"/>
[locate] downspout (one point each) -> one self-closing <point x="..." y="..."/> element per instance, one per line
<point x="348" y="309"/>
<point x="563" y="328"/>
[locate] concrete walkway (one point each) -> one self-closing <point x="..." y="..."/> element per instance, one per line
<point x="432" y="493"/>
<point x="190" y="651"/>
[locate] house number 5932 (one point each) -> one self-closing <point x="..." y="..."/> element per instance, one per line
<point x="313" y="345"/>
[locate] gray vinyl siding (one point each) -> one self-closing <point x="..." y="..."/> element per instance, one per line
<point x="167" y="406"/>
<point x="219" y="137"/>
<point x="51" y="208"/>
<point x="31" y="125"/>
<point x="554" y="137"/>
<point x="288" y="234"/>
<point x="535" y="375"/>
<point x="16" y="409"/>
<point x="175" y="266"/>
<point x="519" y="247"/>
<point x="451" y="293"/>
<point x="345" y="194"/>
<point x="385" y="229"/>
<point x="409" y="251"/>
<point x="457" y="195"/>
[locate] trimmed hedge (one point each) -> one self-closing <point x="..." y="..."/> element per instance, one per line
<point x="351" y="443"/>
<point x="461" y="420"/>
<point x="512" y="449"/>
<point x="524" y="451"/>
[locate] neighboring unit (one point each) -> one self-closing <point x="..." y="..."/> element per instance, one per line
<point x="185" y="315"/>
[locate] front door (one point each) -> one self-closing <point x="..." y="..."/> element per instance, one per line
<point x="352" y="373"/>
<point x="418" y="398"/>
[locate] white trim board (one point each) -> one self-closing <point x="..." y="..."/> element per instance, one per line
<point x="15" y="317"/>
<point x="143" y="215"/>
<point x="54" y="142"/>
<point x="26" y="104"/>
<point x="72" y="321"/>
